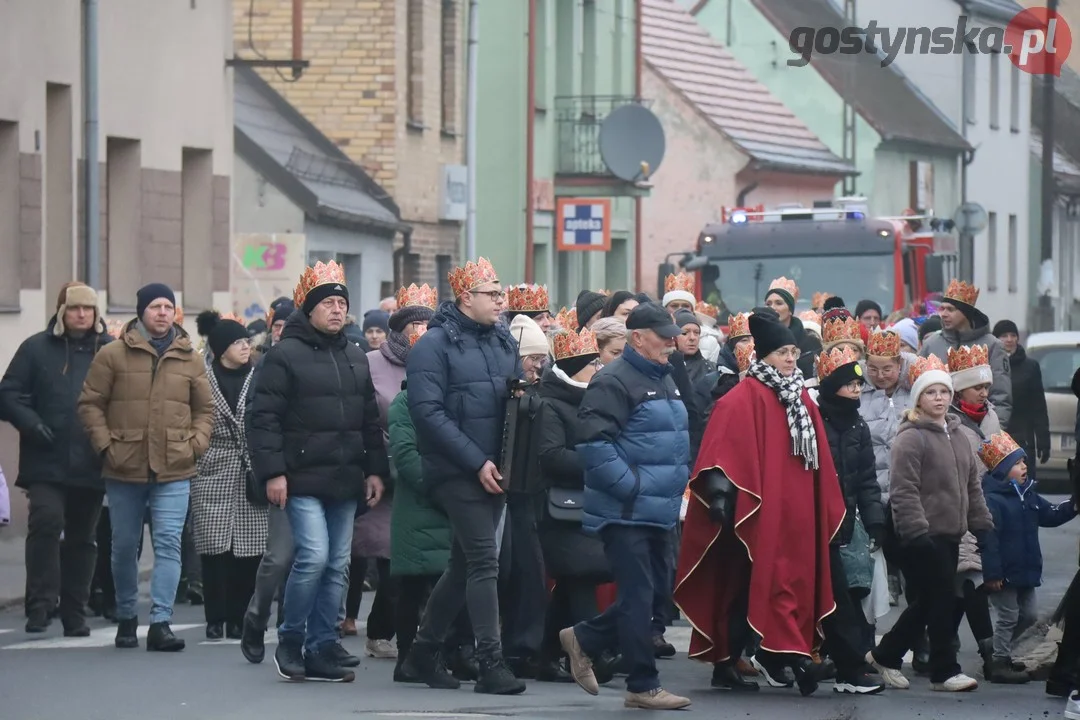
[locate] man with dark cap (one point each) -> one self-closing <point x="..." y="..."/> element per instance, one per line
<point x="1030" y="422"/>
<point x="868" y="313"/>
<point x="57" y="467"/>
<point x="147" y="408"/>
<point x="589" y="305"/>
<point x="781" y="298"/>
<point x="317" y="448"/>
<point x="963" y="324"/>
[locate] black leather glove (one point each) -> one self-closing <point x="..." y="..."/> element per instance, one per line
<point x="721" y="494"/>
<point x="43" y="434"/>
<point x="1044" y="453"/>
<point x="877" y="536"/>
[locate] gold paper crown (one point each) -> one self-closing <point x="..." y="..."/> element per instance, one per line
<point x="925" y="364"/>
<point x="567" y="319"/>
<point x="739" y="325"/>
<point x="413" y="296"/>
<point x="568" y="344"/>
<point x="782" y="283"/>
<point x="606" y="293"/>
<point x="744" y="355"/>
<point x="682" y="281"/>
<point x="471" y="276"/>
<point x="115" y="328"/>
<point x="313" y="277"/>
<point x="810" y="316"/>
<point x="179" y="320"/>
<point x="819" y="299"/>
<point x="232" y="316"/>
<point x="838" y="330"/>
<point x="997" y="448"/>
<point x="707" y="309"/>
<point x="962" y="292"/>
<point x="528" y="298"/>
<point x="830" y="362"/>
<point x="883" y="344"/>
<point x="966" y="357"/>
<point x="417" y="334"/>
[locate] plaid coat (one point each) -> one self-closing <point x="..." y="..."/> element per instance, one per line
<point x="224" y="520"/>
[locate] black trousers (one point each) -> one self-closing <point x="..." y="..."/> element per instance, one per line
<point x="523" y="600"/>
<point x="931" y="569"/>
<point x="413" y="594"/>
<point x="845" y="629"/>
<point x="380" y="621"/>
<point x="228" y="582"/>
<point x="975" y="604"/>
<point x="56" y="569"/>
<point x="572" y="601"/>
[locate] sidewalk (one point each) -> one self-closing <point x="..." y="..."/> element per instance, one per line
<point x="13" y="568"/>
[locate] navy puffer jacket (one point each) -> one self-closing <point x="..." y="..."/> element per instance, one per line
<point x="634" y="445"/>
<point x="459" y="374"/>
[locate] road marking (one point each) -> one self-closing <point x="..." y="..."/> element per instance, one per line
<point x="102" y="637"/>
<point x="435" y="714"/>
<point x="5" y="631"/>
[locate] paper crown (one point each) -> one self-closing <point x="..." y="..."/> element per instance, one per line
<point x="413" y="296"/>
<point x="568" y="344"/>
<point x="782" y="283"/>
<point x="997" y="448"/>
<point x="960" y="291"/>
<point x="606" y="293"/>
<point x="744" y="355"/>
<point x="819" y="299"/>
<point x="318" y="274"/>
<point x="966" y="357"/>
<point x="830" y="362"/>
<point x="707" y="309"/>
<point x="682" y="281"/>
<point x="472" y="275"/>
<point x="528" y="298"/>
<point x="567" y="319"/>
<point x="810" y="316"/>
<point x="115" y="328"/>
<point x="837" y="330"/>
<point x="925" y="364"/>
<point x="883" y="344"/>
<point x="179" y="320"/>
<point x="232" y="316"/>
<point x="417" y="334"/>
<point x="739" y="325"/>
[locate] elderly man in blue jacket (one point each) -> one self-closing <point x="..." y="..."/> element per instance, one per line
<point x="635" y="447"/>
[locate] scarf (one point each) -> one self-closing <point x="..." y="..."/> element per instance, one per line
<point x="789" y="392"/>
<point x="975" y="412"/>
<point x="395" y="348"/>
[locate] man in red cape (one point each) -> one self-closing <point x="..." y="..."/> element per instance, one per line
<point x="755" y="545"/>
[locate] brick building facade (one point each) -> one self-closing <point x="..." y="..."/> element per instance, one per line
<point x="386" y="83"/>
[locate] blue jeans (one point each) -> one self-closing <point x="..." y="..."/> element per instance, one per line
<point x="168" y="504"/>
<point x="322" y="535"/>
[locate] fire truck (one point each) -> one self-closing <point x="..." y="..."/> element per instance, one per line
<point x="833" y="247"/>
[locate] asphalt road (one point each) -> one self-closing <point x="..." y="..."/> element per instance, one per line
<point x="53" y="678"/>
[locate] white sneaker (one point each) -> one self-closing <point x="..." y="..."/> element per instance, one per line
<point x="893" y="678"/>
<point x="382" y="649"/>
<point x="957" y="683"/>
<point x="1072" y="708"/>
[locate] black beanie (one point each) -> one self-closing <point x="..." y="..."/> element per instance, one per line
<point x="839" y="378"/>
<point x="376" y="319"/>
<point x="223" y="334"/>
<point x="573" y="365"/>
<point x="768" y="335"/>
<point x="617" y="299"/>
<point x="320" y="292"/>
<point x="865" y="305"/>
<point x="149" y="293"/>
<point x="767" y="312"/>
<point x="282" y="308"/>
<point x="588" y="304"/>
<point x="832" y="302"/>
<point x="685" y="317"/>
<point x="1002" y="327"/>
<point x="931" y="324"/>
<point x="785" y="296"/>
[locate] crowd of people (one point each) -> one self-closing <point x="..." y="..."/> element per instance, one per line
<point x="537" y="496"/>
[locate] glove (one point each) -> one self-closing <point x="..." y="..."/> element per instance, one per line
<point x="721" y="497"/>
<point x="877" y="537"/>
<point x="1044" y="453"/>
<point x="43" y="434"/>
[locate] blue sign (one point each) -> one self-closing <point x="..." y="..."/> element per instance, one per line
<point x="583" y="224"/>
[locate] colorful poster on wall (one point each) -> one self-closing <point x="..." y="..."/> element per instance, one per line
<point x="264" y="267"/>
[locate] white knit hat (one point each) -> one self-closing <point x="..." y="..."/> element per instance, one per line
<point x="674" y="295"/>
<point x="530" y="338"/>
<point x="925" y="380"/>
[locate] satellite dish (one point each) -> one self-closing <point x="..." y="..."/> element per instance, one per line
<point x="632" y="142"/>
<point x="971" y="219"/>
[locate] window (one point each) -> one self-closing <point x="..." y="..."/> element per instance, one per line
<point x="991" y="253"/>
<point x="1013" y="250"/>
<point x="414" y="64"/>
<point x="1014" y="99"/>
<point x="443" y="265"/>
<point x="123" y="187"/>
<point x="10" y="229"/>
<point x="969" y="84"/>
<point x="451" y="33"/>
<point x="197" y="226"/>
<point x="588" y="51"/>
<point x="995" y="90"/>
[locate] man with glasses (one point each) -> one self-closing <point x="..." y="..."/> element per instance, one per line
<point x="459" y="375"/>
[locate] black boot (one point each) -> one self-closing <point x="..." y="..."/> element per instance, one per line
<point x="462" y="664"/>
<point x="336" y="651"/>
<point x="38" y="621"/>
<point x="426" y="664"/>
<point x="126" y="633"/>
<point x="726" y="677"/>
<point x="553" y="671"/>
<point x="252" y="641"/>
<point x="605" y="665"/>
<point x="807" y="675"/>
<point x="215" y="631"/>
<point x="496" y="678"/>
<point x="234" y="631"/>
<point x="289" y="659"/>
<point x="160" y="638"/>
<point x="523" y="667"/>
<point x="401" y="675"/>
<point x="324" y="667"/>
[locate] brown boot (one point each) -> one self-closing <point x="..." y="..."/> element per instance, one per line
<point x="658" y="699"/>
<point x="348" y="628"/>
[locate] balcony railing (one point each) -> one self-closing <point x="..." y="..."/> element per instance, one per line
<point x="578" y="119"/>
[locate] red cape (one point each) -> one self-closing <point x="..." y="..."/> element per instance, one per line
<point x="785" y="516"/>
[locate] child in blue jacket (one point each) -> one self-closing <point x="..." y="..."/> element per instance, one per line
<point x="1012" y="567"/>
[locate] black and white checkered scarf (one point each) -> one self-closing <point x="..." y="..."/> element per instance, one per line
<point x="789" y="391"/>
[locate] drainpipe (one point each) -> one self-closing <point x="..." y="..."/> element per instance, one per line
<point x="530" y="139"/>
<point x="637" y="94"/>
<point x="470" y="132"/>
<point x="967" y="242"/>
<point x="1045" y="310"/>
<point x="297" y="37"/>
<point x="740" y="201"/>
<point x="92" y="186"/>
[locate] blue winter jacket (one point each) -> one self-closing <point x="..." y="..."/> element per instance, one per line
<point x="1018" y="513"/>
<point x="634" y="445"/>
<point x="458" y="375"/>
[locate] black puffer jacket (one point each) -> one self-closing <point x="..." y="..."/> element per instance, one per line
<point x="313" y="416"/>
<point x="1029" y="423"/>
<point x="459" y="374"/>
<point x="42" y="386"/>
<point x="707" y="391"/>
<point x="853" y="454"/>
<point x="809" y="347"/>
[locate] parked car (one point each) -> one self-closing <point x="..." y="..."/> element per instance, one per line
<point x="1058" y="355"/>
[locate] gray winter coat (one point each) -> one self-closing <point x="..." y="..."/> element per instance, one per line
<point x="883" y="414"/>
<point x="938" y="343"/>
